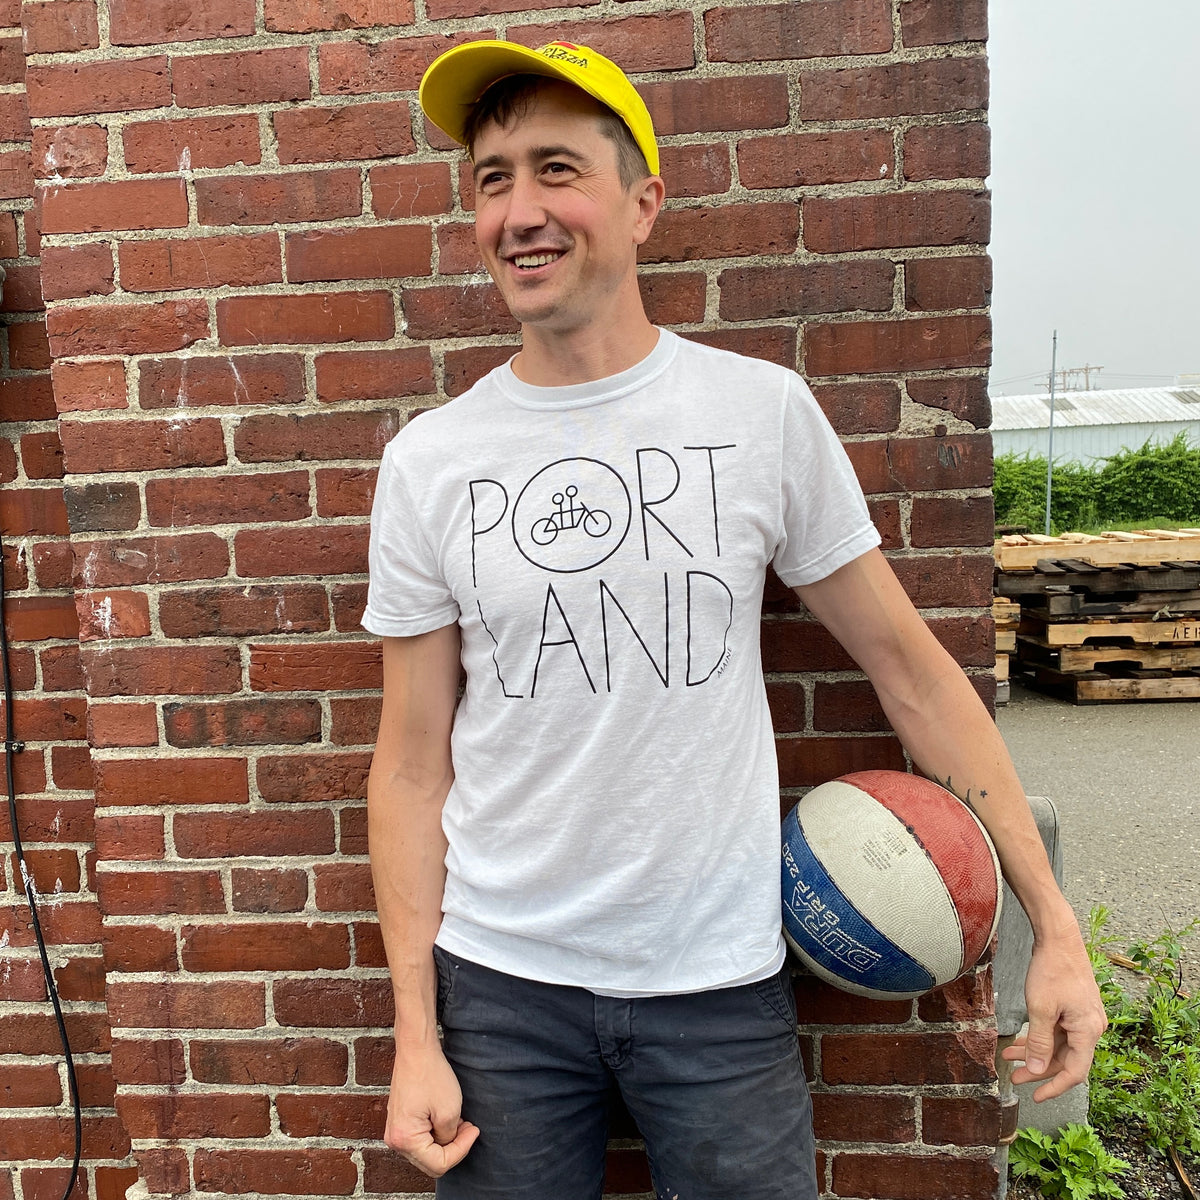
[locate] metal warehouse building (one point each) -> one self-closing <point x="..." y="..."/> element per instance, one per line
<point x="1093" y="425"/>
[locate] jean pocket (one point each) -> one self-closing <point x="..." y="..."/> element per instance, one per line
<point x="776" y="994"/>
<point x="445" y="979"/>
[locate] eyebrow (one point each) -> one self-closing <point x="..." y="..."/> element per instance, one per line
<point x="536" y="154"/>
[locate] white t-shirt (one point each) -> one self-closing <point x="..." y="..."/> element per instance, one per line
<point x="614" y="817"/>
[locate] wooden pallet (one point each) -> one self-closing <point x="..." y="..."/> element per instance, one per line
<point x="1071" y="659"/>
<point x="1063" y="602"/>
<point x="1022" y="552"/>
<point x="1116" y="577"/>
<point x="1098" y="687"/>
<point x="1078" y="633"/>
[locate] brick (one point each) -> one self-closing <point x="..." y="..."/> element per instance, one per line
<point x="904" y="1177"/>
<point x="140" y="947"/>
<point x="28" y="347"/>
<point x="385" y="1172"/>
<point x="127" y="328"/>
<point x="709" y="105"/>
<point x="69" y="151"/>
<point x="226" y="499"/>
<point x="27" y="398"/>
<point x="960" y="1120"/>
<point x="751" y="293"/>
<point x="65" y="923"/>
<point x="871" y="406"/>
<point x="27" y="1086"/>
<point x="33" y="511"/>
<point x="355" y="722"/>
<point x="730" y="231"/>
<point x="84" y="89"/>
<point x="54" y="719"/>
<point x="804" y="159"/>
<point x="63" y="27"/>
<point x="53" y="870"/>
<point x="941" y="22"/>
<point x="130" y="838"/>
<point x="262" y="891"/>
<point x="71" y="768"/>
<point x="153" y="22"/>
<point x="655" y="42"/>
<point x="73" y="272"/>
<point x="366" y="253"/>
<point x="254" y="834"/>
<point x="958" y="580"/>
<point x="349" y="601"/>
<point x="112" y="615"/>
<point x="22" y="288"/>
<point x="179" y="1004"/>
<point x="197" y="382"/>
<point x="12" y="58"/>
<point x="313" y="778"/>
<point x="41" y="456"/>
<point x="139" y="893"/>
<point x="374" y="374"/>
<point x="123" y="725"/>
<point x="103" y="507"/>
<point x="695" y="169"/>
<point x="61" y="671"/>
<point x="349" y="131"/>
<point x="273" y="946"/>
<point x="889" y="346"/>
<point x="929" y="464"/>
<point x="142" y="445"/>
<point x="81" y="387"/>
<point x="29" y="1034"/>
<point x="407" y="190"/>
<point x="964" y="396"/>
<point x="84" y="979"/>
<point x="775" y="344"/>
<point x="465" y="367"/>
<point x="888" y="220"/>
<point x="967" y="998"/>
<point x="179" y="780"/>
<point x="322" y="1003"/>
<point x="347" y="492"/>
<point x="161" y="670"/>
<point x="242" y="723"/>
<point x="322" y="1115"/>
<point x="334" y="666"/>
<point x="14" y="121"/>
<point x="8" y="461"/>
<point x="200" y="263"/>
<point x="864" y="1117"/>
<point x="847" y="706"/>
<point x="277" y="1172"/>
<point x="9" y="247"/>
<point x="937" y="284"/>
<point x="952" y="521"/>
<point x="31" y="227"/>
<point x="345" y="889"/>
<point x="291" y="1062"/>
<point x="167" y="146"/>
<point x="674" y="298"/>
<point x="283" y="437"/>
<point x="113" y="1182"/>
<point x="165" y="1171"/>
<point x="458" y="253"/>
<point x="319" y="318"/>
<point x="324" y="550"/>
<point x="242" y="77"/>
<point x="195" y="1116"/>
<point x="391" y="65"/>
<point x="808" y="761"/>
<point x="353" y="829"/>
<point x="473" y="310"/>
<point x="312" y="16"/>
<point x="123" y="204"/>
<point x="819" y="29"/>
<point x="242" y="612"/>
<point x="52" y="1137"/>
<point x="938" y="85"/>
<point x="908" y="1058"/>
<point x="961" y="151"/>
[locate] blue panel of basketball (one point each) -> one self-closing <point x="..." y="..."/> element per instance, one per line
<point x="826" y="928"/>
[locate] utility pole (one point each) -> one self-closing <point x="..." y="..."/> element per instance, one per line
<point x="1050" y="443"/>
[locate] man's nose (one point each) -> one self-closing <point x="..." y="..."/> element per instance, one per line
<point x="525" y="209"/>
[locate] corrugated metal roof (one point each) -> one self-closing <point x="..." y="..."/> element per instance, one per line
<point x="1118" y="407"/>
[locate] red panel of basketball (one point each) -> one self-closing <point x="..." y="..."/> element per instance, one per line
<point x="949" y="835"/>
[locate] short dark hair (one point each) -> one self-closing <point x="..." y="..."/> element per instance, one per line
<point x="512" y="96"/>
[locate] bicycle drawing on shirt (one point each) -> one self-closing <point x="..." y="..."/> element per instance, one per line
<point x="570" y="513"/>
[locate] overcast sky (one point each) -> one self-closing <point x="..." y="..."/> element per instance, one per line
<point x="1095" y="113"/>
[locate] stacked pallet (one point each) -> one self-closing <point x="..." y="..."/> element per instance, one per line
<point x="1109" y="617"/>
<point x="1006" y="614"/>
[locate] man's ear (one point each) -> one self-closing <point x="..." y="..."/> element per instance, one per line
<point x="649" y="193"/>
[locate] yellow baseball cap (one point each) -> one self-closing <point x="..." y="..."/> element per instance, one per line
<point x="456" y="80"/>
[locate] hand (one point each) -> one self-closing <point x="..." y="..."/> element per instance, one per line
<point x="424" y="1116"/>
<point x="1066" y="1017"/>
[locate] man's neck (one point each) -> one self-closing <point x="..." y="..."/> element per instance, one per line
<point x="554" y="359"/>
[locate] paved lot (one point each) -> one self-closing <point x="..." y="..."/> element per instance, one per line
<point x="1125" y="779"/>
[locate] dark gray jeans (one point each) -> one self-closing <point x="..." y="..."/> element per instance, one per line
<point x="713" y="1079"/>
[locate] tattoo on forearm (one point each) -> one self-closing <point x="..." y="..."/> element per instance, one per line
<point x="965" y="797"/>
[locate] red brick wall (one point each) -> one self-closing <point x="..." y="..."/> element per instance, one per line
<point x="257" y="264"/>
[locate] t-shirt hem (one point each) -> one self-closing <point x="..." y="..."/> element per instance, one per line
<point x="837" y="556"/>
<point x="409" y="626"/>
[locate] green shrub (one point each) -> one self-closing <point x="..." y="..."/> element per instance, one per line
<point x="1074" y="1165"/>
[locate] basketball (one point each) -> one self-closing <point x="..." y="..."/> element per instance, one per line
<point x="891" y="885"/>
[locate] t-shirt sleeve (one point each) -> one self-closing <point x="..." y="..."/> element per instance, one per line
<point x="824" y="518"/>
<point x="406" y="593"/>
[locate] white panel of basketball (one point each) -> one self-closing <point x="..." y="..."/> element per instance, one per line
<point x="892" y="881"/>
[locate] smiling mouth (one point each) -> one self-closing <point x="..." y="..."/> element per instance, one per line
<point x="527" y="262"/>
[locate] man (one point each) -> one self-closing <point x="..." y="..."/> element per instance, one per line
<point x="577" y="868"/>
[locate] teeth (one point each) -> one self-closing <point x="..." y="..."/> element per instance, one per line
<point x="535" y="260"/>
